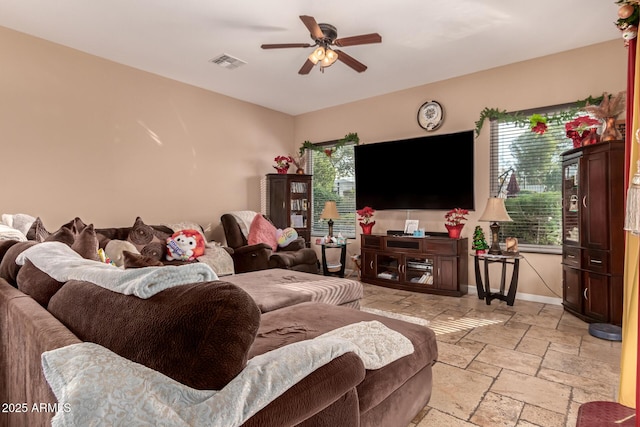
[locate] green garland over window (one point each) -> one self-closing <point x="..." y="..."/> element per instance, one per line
<point x="308" y="145"/>
<point x="522" y="120"/>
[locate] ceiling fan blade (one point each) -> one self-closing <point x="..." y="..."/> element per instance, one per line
<point x="284" y="45"/>
<point x="361" y="39"/>
<point x="350" y="61"/>
<point x="306" y="67"/>
<point x="312" y="26"/>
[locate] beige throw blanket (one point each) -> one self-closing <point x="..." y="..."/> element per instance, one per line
<point x="104" y="389"/>
<point x="63" y="264"/>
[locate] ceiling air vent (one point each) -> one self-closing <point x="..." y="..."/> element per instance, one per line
<point x="227" y="61"/>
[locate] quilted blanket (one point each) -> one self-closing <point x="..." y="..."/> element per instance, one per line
<point x="104" y="389"/>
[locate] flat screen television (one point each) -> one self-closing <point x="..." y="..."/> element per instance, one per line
<point x="430" y="172"/>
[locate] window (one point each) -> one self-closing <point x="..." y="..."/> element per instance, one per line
<point x="526" y="168"/>
<point x="334" y="179"/>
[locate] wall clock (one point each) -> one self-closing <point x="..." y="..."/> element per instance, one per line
<point x="430" y="115"/>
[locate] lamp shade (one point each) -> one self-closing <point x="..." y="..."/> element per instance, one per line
<point x="495" y="211"/>
<point x="330" y="211"/>
<point x="329" y="58"/>
<point x="317" y="55"/>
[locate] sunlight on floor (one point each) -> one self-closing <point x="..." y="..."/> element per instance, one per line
<point x="438" y="326"/>
<point x="449" y="326"/>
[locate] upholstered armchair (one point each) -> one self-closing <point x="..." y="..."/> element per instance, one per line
<point x="261" y="256"/>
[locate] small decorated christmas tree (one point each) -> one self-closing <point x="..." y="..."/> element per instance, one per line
<point x="479" y="242"/>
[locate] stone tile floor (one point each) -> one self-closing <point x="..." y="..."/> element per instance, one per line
<point x="531" y="364"/>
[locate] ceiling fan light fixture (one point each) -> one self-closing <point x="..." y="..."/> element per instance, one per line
<point x="317" y="55"/>
<point x="325" y="36"/>
<point x="330" y="57"/>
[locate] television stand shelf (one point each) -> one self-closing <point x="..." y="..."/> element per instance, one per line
<point x="434" y="265"/>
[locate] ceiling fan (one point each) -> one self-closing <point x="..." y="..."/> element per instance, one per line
<point x="325" y="36"/>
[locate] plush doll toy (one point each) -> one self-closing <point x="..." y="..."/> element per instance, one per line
<point x="185" y="245"/>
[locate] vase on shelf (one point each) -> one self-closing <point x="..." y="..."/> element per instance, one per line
<point x="454" y="230"/>
<point x="366" y="227"/>
<point x="609" y="130"/>
<point x="590" y="136"/>
<point x="282" y="170"/>
<point x="300" y="171"/>
<point x="577" y="140"/>
<point x="480" y="252"/>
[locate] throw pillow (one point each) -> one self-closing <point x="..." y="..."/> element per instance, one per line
<point x="147" y="240"/>
<point x="76" y="226"/>
<point x="286" y="236"/>
<point x="134" y="260"/>
<point x="86" y="243"/>
<point x="115" y="251"/>
<point x="37" y="232"/>
<point x="21" y="222"/>
<point x="64" y="235"/>
<point x="262" y="231"/>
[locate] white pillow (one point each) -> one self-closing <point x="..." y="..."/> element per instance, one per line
<point x="21" y="222"/>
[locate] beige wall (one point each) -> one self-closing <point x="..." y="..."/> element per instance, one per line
<point x="83" y="136"/>
<point x="551" y="80"/>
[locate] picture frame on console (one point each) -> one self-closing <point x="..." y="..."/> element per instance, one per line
<point x="410" y="226"/>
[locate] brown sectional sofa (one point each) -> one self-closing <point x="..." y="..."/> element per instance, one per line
<point x="202" y="335"/>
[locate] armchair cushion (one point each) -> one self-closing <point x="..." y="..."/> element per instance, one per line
<point x="295" y="245"/>
<point x="262" y="231"/>
<point x="292" y="259"/>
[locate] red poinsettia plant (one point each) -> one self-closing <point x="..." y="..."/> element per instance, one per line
<point x="456" y="216"/>
<point x="366" y="214"/>
<point x="282" y="162"/>
<point x="538" y="124"/>
<point x="578" y="128"/>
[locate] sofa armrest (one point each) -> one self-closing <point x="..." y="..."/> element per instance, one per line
<point x="26" y="331"/>
<point x="323" y="388"/>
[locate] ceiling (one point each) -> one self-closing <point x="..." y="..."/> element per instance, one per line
<point x="423" y="41"/>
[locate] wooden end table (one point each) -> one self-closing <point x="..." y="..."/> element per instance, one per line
<point x="340" y="266"/>
<point x="484" y="291"/>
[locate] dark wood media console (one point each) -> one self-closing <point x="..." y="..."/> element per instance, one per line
<point x="435" y="265"/>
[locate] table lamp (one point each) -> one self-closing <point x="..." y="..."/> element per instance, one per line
<point x="330" y="212"/>
<point x="495" y="212"/>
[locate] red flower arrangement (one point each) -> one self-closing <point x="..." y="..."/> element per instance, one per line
<point x="538" y="124"/>
<point x="282" y="162"/>
<point x="366" y="214"/>
<point x="456" y="216"/>
<point x="579" y="128"/>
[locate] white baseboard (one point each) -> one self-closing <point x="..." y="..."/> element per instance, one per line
<point x="525" y="297"/>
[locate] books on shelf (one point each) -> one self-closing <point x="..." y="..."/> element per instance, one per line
<point x="299" y="204"/>
<point x="425" y="279"/>
<point x="298" y="221"/>
<point x="298" y="187"/>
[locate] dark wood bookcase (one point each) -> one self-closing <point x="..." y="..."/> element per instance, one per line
<point x="289" y="202"/>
